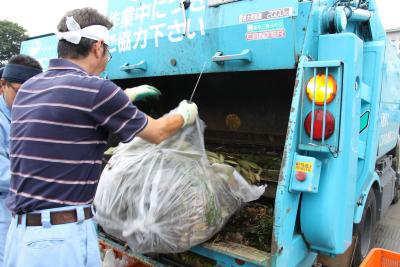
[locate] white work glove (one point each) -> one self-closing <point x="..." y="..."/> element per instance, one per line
<point x="142" y="92"/>
<point x="188" y="111"/>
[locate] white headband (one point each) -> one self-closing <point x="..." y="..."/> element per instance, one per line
<point x="75" y="33"/>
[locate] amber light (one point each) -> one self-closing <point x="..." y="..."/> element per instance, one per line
<point x="319" y="82"/>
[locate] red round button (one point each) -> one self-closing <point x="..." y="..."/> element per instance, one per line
<point x="301" y="176"/>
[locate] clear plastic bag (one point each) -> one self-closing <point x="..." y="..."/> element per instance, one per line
<point x="110" y="260"/>
<point x="167" y="198"/>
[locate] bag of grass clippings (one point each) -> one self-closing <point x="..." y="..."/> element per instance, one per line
<point x="167" y="198"/>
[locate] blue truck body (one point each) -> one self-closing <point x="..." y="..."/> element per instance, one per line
<point x="275" y="45"/>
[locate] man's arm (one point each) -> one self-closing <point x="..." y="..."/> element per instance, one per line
<point x="158" y="130"/>
<point x="113" y="111"/>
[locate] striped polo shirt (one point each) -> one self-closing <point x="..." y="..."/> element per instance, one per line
<point x="59" y="126"/>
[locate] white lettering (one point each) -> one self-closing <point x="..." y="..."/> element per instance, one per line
<point x="143" y="12"/>
<point x="112" y="40"/>
<point x="190" y="35"/>
<point x="115" y="19"/>
<point x="176" y="31"/>
<point x="178" y="8"/>
<point x="197" y="5"/>
<point x="157" y="32"/>
<point x="141" y="32"/>
<point x="127" y="17"/>
<point x="387" y="138"/>
<point x="202" y="27"/>
<point x="133" y="24"/>
<point x="156" y="14"/>
<point x="385" y="119"/>
<point x="124" y="41"/>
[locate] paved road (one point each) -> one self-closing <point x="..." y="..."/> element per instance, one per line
<point x="388" y="229"/>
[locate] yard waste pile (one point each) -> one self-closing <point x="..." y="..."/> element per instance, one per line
<point x="168" y="198"/>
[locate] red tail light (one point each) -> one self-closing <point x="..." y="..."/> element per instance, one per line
<point x="318" y="124"/>
<point x="239" y="262"/>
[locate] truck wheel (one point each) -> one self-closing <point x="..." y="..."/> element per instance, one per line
<point x="396" y="167"/>
<point x="365" y="230"/>
<point x="396" y="195"/>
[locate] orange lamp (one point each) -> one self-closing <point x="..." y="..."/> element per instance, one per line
<point x="318" y="93"/>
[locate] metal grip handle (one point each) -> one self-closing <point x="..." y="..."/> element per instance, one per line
<point x="184" y="6"/>
<point x="127" y="67"/>
<point x="245" y="56"/>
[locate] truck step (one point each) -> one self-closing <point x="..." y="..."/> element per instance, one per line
<point x="236" y="251"/>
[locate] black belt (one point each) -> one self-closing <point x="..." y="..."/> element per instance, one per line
<point x="56" y="217"/>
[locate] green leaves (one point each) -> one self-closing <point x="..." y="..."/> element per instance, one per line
<point x="252" y="226"/>
<point x="11" y="36"/>
<point x="250" y="170"/>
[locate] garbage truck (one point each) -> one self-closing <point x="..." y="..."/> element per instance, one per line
<point x="315" y="82"/>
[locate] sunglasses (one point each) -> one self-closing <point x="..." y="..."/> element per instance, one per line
<point x="109" y="56"/>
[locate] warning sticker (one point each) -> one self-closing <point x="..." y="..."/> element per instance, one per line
<point x="266" y="15"/>
<point x="303" y="166"/>
<point x="265" y="26"/>
<point x="274" y="34"/>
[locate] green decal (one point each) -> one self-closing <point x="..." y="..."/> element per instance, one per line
<point x="265" y="26"/>
<point x="364" y="121"/>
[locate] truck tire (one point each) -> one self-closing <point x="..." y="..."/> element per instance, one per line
<point x="396" y="167"/>
<point x="396" y="194"/>
<point x="365" y="230"/>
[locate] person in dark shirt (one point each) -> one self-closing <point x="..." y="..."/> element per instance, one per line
<point x="59" y="126"/>
<point x="18" y="69"/>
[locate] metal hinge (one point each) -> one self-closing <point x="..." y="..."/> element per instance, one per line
<point x="361" y="199"/>
<point x="214" y="3"/>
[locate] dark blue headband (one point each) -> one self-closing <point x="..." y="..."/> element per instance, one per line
<point x="15" y="73"/>
<point x="1" y="72"/>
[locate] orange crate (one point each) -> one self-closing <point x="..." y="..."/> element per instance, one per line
<point x="379" y="257"/>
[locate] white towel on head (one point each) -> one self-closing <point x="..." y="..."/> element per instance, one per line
<point x="75" y="33"/>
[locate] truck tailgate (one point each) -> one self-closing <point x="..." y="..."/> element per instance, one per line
<point x="162" y="38"/>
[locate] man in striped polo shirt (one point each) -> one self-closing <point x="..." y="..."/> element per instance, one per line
<point x="19" y="69"/>
<point x="60" y="123"/>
